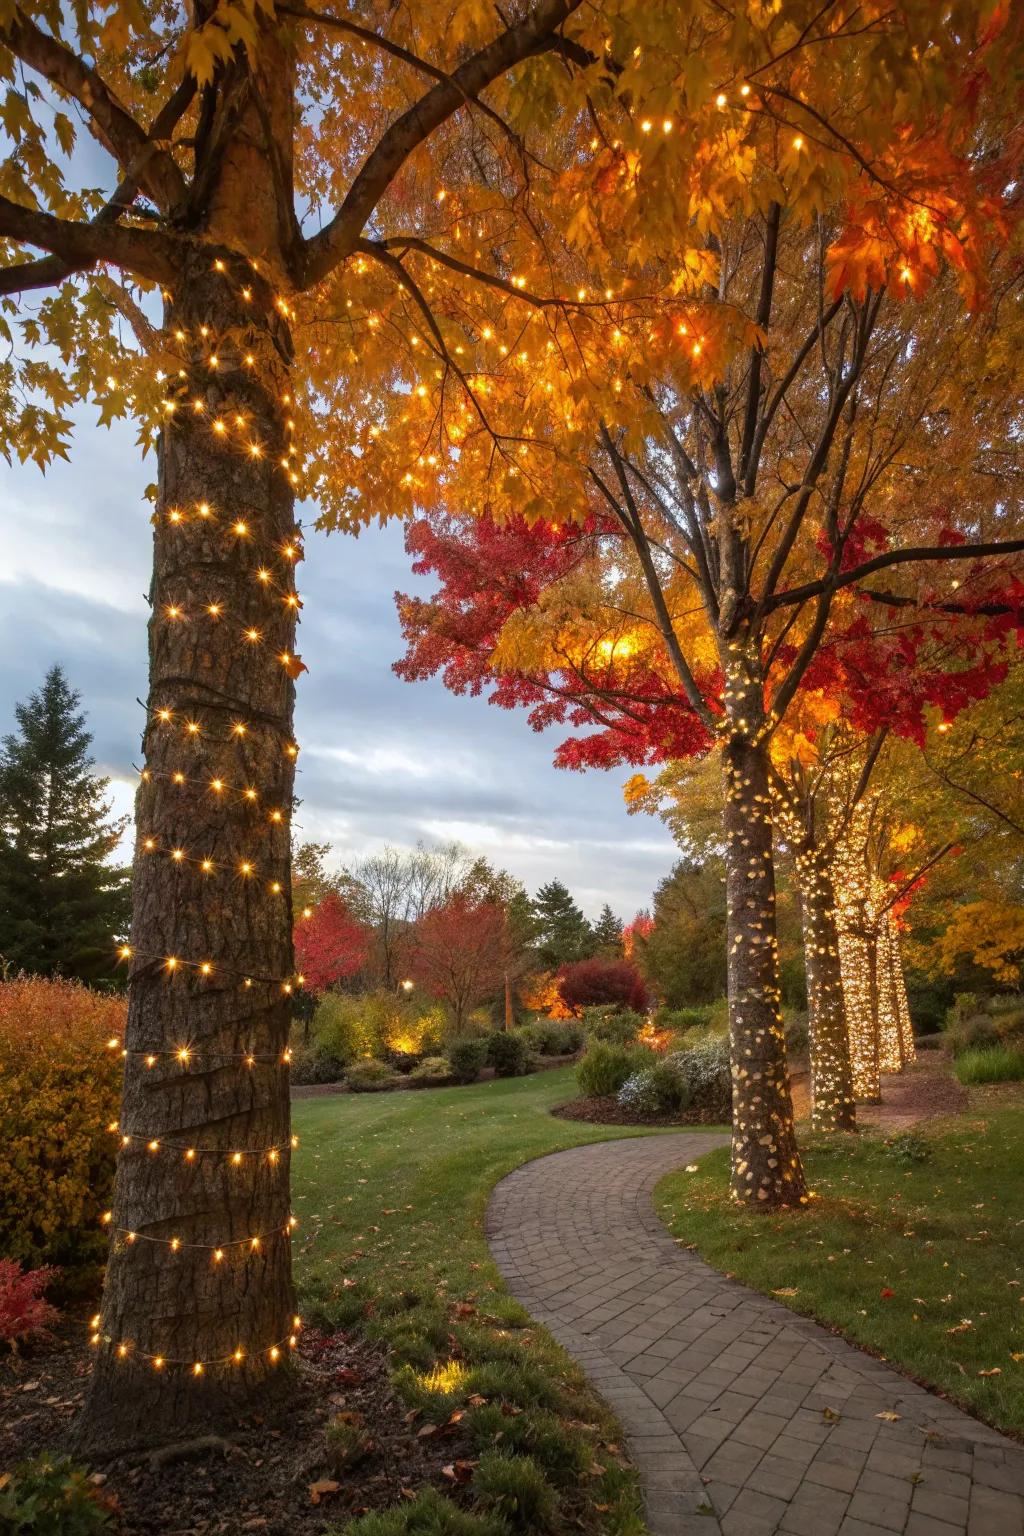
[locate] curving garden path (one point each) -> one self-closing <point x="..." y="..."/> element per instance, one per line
<point x="723" y="1392"/>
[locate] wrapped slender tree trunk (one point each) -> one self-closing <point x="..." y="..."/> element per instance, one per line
<point x="766" y="1167"/>
<point x="832" y="1101"/>
<point x="198" y="1308"/>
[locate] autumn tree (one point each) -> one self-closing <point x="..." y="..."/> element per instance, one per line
<point x="62" y="901"/>
<point x="330" y="945"/>
<point x="459" y="952"/>
<point x="288" y="279"/>
<point x="730" y="515"/>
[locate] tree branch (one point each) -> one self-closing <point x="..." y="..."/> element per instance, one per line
<point x="51" y="270"/>
<point x="337" y="239"/>
<point x="893" y="557"/>
<point x="141" y="251"/>
<point x="115" y="127"/>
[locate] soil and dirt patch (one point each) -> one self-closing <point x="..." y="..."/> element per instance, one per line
<point x="274" y="1473"/>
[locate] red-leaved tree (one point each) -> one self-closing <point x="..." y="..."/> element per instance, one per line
<point x="330" y="944"/>
<point x="459" y="952"/>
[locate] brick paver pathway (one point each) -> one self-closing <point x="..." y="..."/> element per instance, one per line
<point x="743" y="1419"/>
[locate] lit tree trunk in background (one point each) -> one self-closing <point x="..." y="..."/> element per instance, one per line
<point x="510" y="1017"/>
<point x="901" y="1004"/>
<point x="766" y="1168"/>
<point x="832" y="1101"/>
<point x="217" y="787"/>
<point x="895" y="1050"/>
<point x="874" y="1054"/>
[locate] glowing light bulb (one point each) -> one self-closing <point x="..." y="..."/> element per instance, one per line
<point x="171" y="962"/>
<point x="175" y="1244"/>
<point x="190" y="1155"/>
<point x="206" y="968"/>
<point x="177" y="854"/>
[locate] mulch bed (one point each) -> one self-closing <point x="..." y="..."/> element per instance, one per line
<point x="605" y="1109"/>
<point x="923" y="1091"/>
<point x="264" y="1479"/>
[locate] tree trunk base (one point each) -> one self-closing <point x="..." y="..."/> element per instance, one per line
<point x="211" y="1410"/>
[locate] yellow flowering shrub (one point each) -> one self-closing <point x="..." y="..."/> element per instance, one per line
<point x="60" y="1089"/>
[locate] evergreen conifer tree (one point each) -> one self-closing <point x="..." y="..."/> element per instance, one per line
<point x="563" y="933"/>
<point x="62" y="905"/>
<point x="608" y="933"/>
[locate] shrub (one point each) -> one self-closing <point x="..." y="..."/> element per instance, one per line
<point x="308" y="1066"/>
<point x="616" y="1026"/>
<point x="963" y="1006"/>
<point x="974" y="1033"/>
<point x="60" y="1091"/>
<point x="996" y="1064"/>
<point x="342" y="1028"/>
<point x="51" y="1497"/>
<point x="602" y="981"/>
<point x="1009" y="1021"/>
<point x="428" y="1515"/>
<point x="23" y="1311"/>
<point x="605" y="1067"/>
<point x="657" y="1090"/>
<point x="679" y="1020"/>
<point x="508" y="1053"/>
<point x="706" y="1073"/>
<point x="553" y="1037"/>
<point x="515" y="1488"/>
<point x="370" y="1076"/>
<point x="467" y="1058"/>
<point x="432" y="1070"/>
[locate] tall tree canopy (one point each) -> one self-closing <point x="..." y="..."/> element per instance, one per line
<point x="63" y="904"/>
<point x="383" y="258"/>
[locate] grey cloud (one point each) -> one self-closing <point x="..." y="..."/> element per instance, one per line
<point x="383" y="761"/>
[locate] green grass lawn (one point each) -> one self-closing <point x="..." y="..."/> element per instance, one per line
<point x="914" y="1250"/>
<point x="391" y="1190"/>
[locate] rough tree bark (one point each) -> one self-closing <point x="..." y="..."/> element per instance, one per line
<point x="766" y="1167"/>
<point x="217" y="787"/>
<point x="832" y="1101"/>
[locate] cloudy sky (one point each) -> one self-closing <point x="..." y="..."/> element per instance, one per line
<point x="382" y="761"/>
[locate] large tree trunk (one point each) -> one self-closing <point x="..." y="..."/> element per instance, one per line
<point x="766" y="1167"/>
<point x="832" y="1102"/>
<point x="197" y="1309"/>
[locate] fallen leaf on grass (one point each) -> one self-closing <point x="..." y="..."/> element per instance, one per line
<point x="886" y="1292"/>
<point x="321" y="1489"/>
<point x="995" y="1370"/>
<point x="786" y="1290"/>
<point x="458" y="1471"/>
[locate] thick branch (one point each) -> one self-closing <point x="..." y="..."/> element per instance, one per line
<point x="337" y="239"/>
<point x="51" y="270"/>
<point x="127" y="141"/>
<point x="141" y="251"/>
<point x="893" y="557"/>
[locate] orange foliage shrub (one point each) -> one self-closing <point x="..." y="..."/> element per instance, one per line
<point x="540" y="994"/>
<point x="60" y="1089"/>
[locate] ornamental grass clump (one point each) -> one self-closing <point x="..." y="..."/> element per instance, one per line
<point x="605" y="1067"/>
